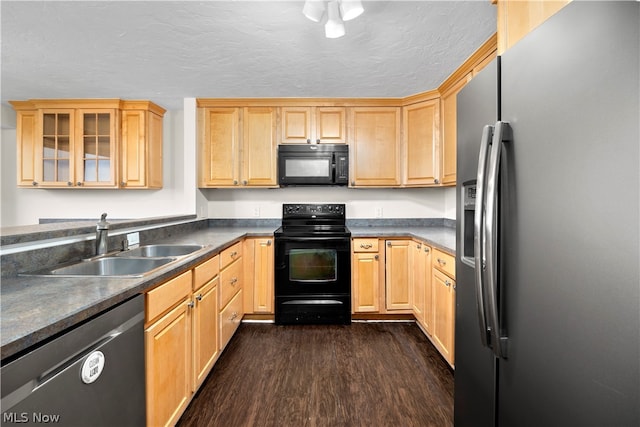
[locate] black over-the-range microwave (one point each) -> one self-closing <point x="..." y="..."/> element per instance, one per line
<point x="317" y="164"/>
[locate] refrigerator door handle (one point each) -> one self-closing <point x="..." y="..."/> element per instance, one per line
<point x="502" y="133"/>
<point x="478" y="231"/>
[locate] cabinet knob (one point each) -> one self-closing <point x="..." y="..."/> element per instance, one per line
<point x="234" y="316"/>
<point x="79" y="183"/>
<point x="69" y="184"/>
<point x="308" y="141"/>
<point x="436" y="181"/>
<point x="199" y="297"/>
<point x="235" y="182"/>
<point x="191" y="304"/>
<point x="244" y="182"/>
<point x="269" y="242"/>
<point x="353" y="183"/>
<point x="426" y="249"/>
<point x="447" y="283"/>
<point x="123" y="184"/>
<point x="389" y="244"/>
<point x="35" y="184"/>
<point x="318" y="141"/>
<point x="442" y="262"/>
<point x="377" y="257"/>
<point x="234" y="281"/>
<point x="418" y="246"/>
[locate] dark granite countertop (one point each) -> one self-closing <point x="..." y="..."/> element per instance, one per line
<point x="33" y="309"/>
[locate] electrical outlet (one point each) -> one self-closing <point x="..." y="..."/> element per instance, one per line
<point x="256" y="211"/>
<point x="378" y="212"/>
<point x="133" y="240"/>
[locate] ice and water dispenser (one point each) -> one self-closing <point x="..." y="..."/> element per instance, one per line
<point x="468" y="212"/>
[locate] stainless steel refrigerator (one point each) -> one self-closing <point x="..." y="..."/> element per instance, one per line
<point x="548" y="283"/>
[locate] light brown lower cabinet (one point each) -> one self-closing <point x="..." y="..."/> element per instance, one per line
<point x="398" y="275"/>
<point x="444" y="304"/>
<point x="365" y="276"/>
<point x="422" y="290"/>
<point x="258" y="275"/>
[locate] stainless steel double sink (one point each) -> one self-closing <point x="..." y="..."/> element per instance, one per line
<point x="130" y="263"/>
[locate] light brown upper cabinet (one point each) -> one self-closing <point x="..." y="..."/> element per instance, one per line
<point x="374" y="146"/>
<point x="77" y="143"/>
<point x="237" y="147"/>
<point x="517" y="18"/>
<point x="421" y="125"/>
<point x="448" y="95"/>
<point x="313" y="125"/>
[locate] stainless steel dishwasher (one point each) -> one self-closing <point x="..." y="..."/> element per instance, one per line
<point x="92" y="375"/>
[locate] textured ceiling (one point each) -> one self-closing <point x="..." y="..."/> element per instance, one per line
<point x="168" y="50"/>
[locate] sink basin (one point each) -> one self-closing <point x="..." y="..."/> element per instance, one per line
<point x="160" y="251"/>
<point x="112" y="266"/>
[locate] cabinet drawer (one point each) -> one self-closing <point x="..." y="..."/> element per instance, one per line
<point x="230" y="254"/>
<point x="167" y="295"/>
<point x="205" y="272"/>
<point x="230" y="282"/>
<point x="444" y="262"/>
<point x="365" y="245"/>
<point x="230" y="318"/>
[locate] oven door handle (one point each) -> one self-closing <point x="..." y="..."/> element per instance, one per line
<point x="313" y="239"/>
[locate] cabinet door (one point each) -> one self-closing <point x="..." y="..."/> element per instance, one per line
<point x="168" y="366"/>
<point x="95" y="149"/>
<point x="427" y="319"/>
<point x="54" y="162"/>
<point x="421" y="133"/>
<point x="296" y="125"/>
<point x="418" y="281"/>
<point x="263" y="268"/>
<point x="398" y="277"/>
<point x="449" y="124"/>
<point x="444" y="313"/>
<point x="141" y="149"/>
<point x="366" y="282"/>
<point x="205" y="331"/>
<point x="219" y="147"/>
<point x="230" y="318"/>
<point x="330" y="125"/>
<point x="26" y="131"/>
<point x="375" y="145"/>
<point x="259" y="157"/>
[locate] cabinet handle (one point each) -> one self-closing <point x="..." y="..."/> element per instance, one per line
<point x="269" y="242"/>
<point x="389" y="244"/>
<point x="234" y="316"/>
<point x="233" y="254"/>
<point x="366" y="245"/>
<point x="426" y="249"/>
<point x="191" y="304"/>
<point x="233" y="281"/>
<point x="199" y="297"/>
<point x="35" y="184"/>
<point x="442" y="262"/>
<point x="447" y="283"/>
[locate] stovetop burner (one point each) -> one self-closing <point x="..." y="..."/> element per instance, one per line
<point x="313" y="220"/>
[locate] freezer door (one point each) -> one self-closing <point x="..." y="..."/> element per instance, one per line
<point x="474" y="402"/>
<point x="570" y="222"/>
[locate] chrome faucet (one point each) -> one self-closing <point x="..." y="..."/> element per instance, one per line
<point x="102" y="232"/>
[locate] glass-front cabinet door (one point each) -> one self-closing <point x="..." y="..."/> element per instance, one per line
<point x="95" y="152"/>
<point x="78" y="148"/>
<point x="56" y="162"/>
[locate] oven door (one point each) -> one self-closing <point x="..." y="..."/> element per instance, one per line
<point x="309" y="168"/>
<point x="306" y="266"/>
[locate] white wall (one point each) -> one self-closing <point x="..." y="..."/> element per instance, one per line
<point x="361" y="203"/>
<point x="178" y="196"/>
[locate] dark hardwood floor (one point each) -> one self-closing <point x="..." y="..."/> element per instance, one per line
<point x="364" y="374"/>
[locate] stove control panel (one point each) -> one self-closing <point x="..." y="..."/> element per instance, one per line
<point x="311" y="210"/>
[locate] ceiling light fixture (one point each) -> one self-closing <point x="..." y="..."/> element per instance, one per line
<point x="338" y="11"/>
